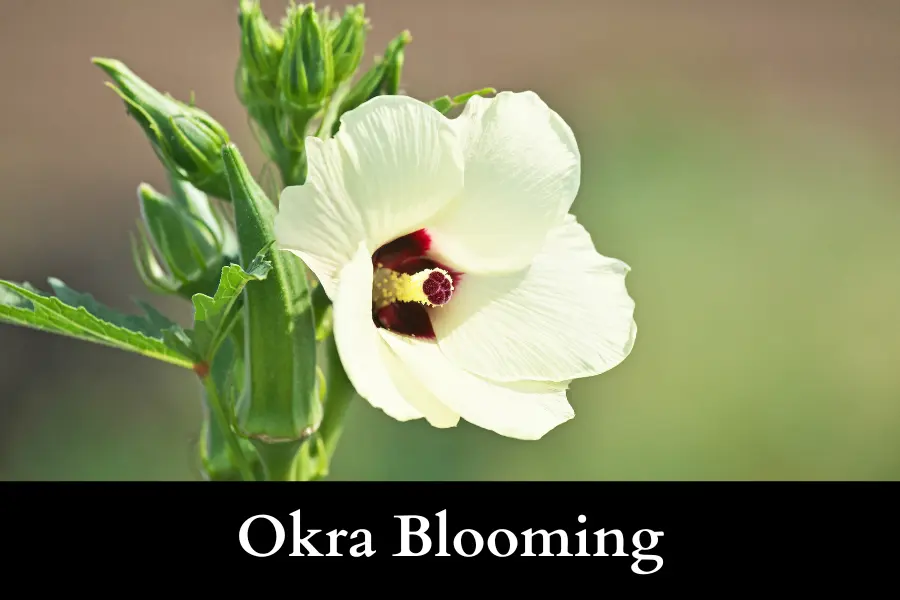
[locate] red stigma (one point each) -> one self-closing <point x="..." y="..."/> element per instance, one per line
<point x="437" y="288"/>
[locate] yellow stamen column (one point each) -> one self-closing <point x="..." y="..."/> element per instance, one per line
<point x="431" y="287"/>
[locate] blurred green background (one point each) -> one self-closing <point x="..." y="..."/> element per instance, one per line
<point x="742" y="157"/>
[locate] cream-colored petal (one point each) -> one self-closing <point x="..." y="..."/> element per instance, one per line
<point x="394" y="163"/>
<point x="525" y="410"/>
<point x="373" y="369"/>
<point x="522" y="173"/>
<point x="567" y="315"/>
<point x="318" y="221"/>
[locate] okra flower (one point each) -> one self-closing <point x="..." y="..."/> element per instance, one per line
<point x="462" y="286"/>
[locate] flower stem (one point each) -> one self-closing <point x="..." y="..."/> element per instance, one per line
<point x="340" y="394"/>
<point x="316" y="459"/>
<point x="236" y="454"/>
<point x="278" y="458"/>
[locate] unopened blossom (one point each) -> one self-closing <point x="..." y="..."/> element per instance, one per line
<point x="462" y="286"/>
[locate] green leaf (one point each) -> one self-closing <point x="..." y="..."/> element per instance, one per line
<point x="442" y="104"/>
<point x="445" y="103"/>
<point x="463" y="98"/>
<point x="79" y="316"/>
<point x="214" y="317"/>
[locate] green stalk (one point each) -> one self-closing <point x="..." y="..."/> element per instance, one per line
<point x="316" y="459"/>
<point x="340" y="394"/>
<point x="219" y="420"/>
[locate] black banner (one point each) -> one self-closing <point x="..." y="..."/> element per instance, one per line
<point x="764" y="532"/>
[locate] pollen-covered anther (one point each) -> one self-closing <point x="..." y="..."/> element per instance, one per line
<point x="431" y="287"/>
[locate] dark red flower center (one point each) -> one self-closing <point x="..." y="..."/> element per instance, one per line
<point x="409" y="255"/>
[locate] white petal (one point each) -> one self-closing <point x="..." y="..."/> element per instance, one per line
<point x="522" y="170"/>
<point x="318" y="221"/>
<point x="525" y="411"/>
<point x="568" y="315"/>
<point x="372" y="368"/>
<point x="393" y="164"/>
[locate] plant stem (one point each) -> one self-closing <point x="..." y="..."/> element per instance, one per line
<point x="278" y="458"/>
<point x="236" y="454"/>
<point x="321" y="305"/>
<point x="340" y="393"/>
<point x="315" y="461"/>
